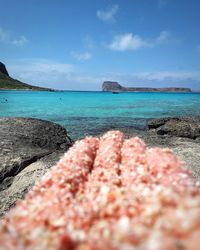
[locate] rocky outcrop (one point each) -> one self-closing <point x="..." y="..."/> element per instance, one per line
<point x="110" y="86"/>
<point x="188" y="127"/>
<point x="28" y="148"/>
<point x="3" y="69"/>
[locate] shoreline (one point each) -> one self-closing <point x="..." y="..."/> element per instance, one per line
<point x="50" y="90"/>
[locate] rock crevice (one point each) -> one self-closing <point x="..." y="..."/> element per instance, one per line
<point x="19" y="166"/>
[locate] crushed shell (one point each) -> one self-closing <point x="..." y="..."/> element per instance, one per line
<point x="108" y="193"/>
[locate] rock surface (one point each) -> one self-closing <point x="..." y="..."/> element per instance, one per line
<point x="115" y="86"/>
<point x="28" y="147"/>
<point x="188" y="127"/>
<point x="3" y="69"/>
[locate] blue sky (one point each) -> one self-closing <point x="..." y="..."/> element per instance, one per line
<point x="78" y="44"/>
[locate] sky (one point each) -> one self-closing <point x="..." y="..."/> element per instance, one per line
<point x="78" y="44"/>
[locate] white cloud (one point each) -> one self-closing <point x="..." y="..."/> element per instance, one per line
<point x="109" y="14"/>
<point x="5" y="37"/>
<point x="40" y="71"/>
<point x="53" y="74"/>
<point x="66" y="76"/>
<point x="41" y="66"/>
<point x="189" y="79"/>
<point x="82" y="56"/>
<point x="129" y="41"/>
<point x="166" y="75"/>
<point x="20" y="42"/>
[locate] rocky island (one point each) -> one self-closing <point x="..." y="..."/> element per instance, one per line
<point x="8" y="83"/>
<point x="110" y="86"/>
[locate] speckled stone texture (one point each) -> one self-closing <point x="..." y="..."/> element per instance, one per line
<point x="108" y="193"/>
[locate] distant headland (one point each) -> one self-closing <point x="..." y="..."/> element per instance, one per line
<point x="115" y="87"/>
<point x="8" y="83"/>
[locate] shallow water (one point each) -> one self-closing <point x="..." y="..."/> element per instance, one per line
<point x="89" y="113"/>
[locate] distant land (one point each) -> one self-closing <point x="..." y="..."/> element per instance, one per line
<point x="8" y="83"/>
<point x="115" y="87"/>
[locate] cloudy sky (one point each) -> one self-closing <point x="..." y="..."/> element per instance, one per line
<point x="77" y="44"/>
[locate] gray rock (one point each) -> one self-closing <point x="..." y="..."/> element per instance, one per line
<point x="155" y="123"/>
<point x="15" y="187"/>
<point x="28" y="147"/>
<point x="188" y="127"/>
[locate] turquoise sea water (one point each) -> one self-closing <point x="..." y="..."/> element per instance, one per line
<point x="88" y="113"/>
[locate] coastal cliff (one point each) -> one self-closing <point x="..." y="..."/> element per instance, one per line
<point x="8" y="83"/>
<point x="110" y="86"/>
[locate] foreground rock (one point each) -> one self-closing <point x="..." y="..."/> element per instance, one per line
<point x="28" y="148"/>
<point x="188" y="127"/>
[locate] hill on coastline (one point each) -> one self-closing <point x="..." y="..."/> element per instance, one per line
<point x="110" y="86"/>
<point x="8" y="83"/>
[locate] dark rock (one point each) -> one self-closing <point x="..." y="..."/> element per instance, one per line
<point x="155" y="123"/>
<point x="115" y="86"/>
<point x="188" y="127"/>
<point x="28" y="147"/>
<point x="3" y="69"/>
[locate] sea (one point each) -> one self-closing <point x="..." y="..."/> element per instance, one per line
<point x="85" y="113"/>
